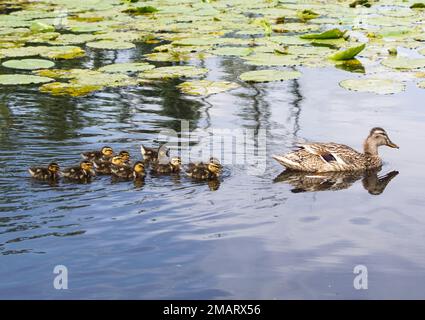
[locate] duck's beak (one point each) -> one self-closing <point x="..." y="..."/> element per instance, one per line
<point x="392" y="144"/>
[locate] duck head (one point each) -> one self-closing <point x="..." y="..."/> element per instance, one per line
<point x="377" y="137"/>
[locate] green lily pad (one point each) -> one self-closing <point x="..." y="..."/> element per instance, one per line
<point x="232" y="51"/>
<point x="206" y="87"/>
<point x="111" y="45"/>
<point x="348" y="54"/>
<point x="172" y="72"/>
<point x="403" y="63"/>
<point x="71" y="89"/>
<point x="269" y="75"/>
<point x="379" y="86"/>
<point x="41" y="27"/>
<point x="28" y="64"/>
<point x="63" y="52"/>
<point x="329" y="34"/>
<point x="16" y="79"/>
<point x="421" y="84"/>
<point x="306" y="15"/>
<point x="270" y="59"/>
<point x="127" y="67"/>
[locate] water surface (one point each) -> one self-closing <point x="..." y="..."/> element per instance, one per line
<point x="249" y="237"/>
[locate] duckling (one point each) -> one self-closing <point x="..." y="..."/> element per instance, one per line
<point x="125" y="156"/>
<point x="210" y="171"/>
<point x="106" y="167"/>
<point x="52" y="172"/>
<point x="201" y="164"/>
<point x="331" y="157"/>
<point x="105" y="154"/>
<point x="83" y="172"/>
<point x="137" y="172"/>
<point x="152" y="154"/>
<point x="173" y="166"/>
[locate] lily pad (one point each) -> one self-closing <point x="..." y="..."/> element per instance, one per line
<point x="127" y="67"/>
<point x="403" y="63"/>
<point x="348" y="54"/>
<point x="270" y="59"/>
<point x="306" y="15"/>
<point x="232" y="51"/>
<point x="379" y="86"/>
<point x="421" y="84"/>
<point x="28" y="64"/>
<point x="269" y="75"/>
<point x="71" y="89"/>
<point x="111" y="45"/>
<point x="206" y="87"/>
<point x="172" y="72"/>
<point x="41" y="27"/>
<point x="330" y="34"/>
<point x="16" y="79"/>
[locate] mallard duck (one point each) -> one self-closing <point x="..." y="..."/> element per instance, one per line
<point x="128" y="173"/>
<point x="173" y="166"/>
<point x="103" y="167"/>
<point x="105" y="154"/>
<point x="125" y="157"/>
<point x="52" y="172"/>
<point x="152" y="154"/>
<point x="330" y="157"/>
<point x="202" y="171"/>
<point x="83" y="172"/>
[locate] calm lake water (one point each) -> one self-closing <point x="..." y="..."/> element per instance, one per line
<point x="252" y="236"/>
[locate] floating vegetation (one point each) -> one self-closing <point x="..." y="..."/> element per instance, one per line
<point x="17" y="79"/>
<point x="269" y="75"/>
<point x="421" y="84"/>
<point x="330" y="34"/>
<point x="165" y="73"/>
<point x="186" y="32"/>
<point x="403" y="63"/>
<point x="206" y="87"/>
<point x="28" y="64"/>
<point x="348" y="54"/>
<point x="127" y="67"/>
<point x="379" y="86"/>
<point x="110" y="45"/>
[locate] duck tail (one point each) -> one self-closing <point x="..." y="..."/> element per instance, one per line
<point x="31" y="171"/>
<point x="287" y="163"/>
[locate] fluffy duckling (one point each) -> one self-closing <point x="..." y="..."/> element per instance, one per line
<point x="153" y="154"/>
<point x="106" y="167"/>
<point x="173" y="166"/>
<point x="81" y="173"/>
<point x="136" y="172"/>
<point x="105" y="154"/>
<point x="202" y="171"/>
<point x="125" y="156"/>
<point x="51" y="173"/>
<point x="193" y="165"/>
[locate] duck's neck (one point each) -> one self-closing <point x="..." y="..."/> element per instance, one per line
<point x="370" y="149"/>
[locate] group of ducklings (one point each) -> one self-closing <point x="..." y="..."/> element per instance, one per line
<point x="106" y="162"/>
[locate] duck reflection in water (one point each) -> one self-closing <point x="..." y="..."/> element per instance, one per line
<point x="334" y="181"/>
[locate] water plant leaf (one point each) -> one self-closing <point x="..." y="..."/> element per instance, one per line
<point x="231" y="51"/>
<point x="329" y="34"/>
<point x="127" y="67"/>
<point x="418" y="5"/>
<point x="41" y="27"/>
<point x="164" y="73"/>
<point x="206" y="87"/>
<point x="71" y="89"/>
<point x="269" y="75"/>
<point x="17" y="79"/>
<point x="403" y="63"/>
<point x="348" y="54"/>
<point x="140" y="10"/>
<point x="306" y="15"/>
<point x="28" y="64"/>
<point x="421" y="84"/>
<point x="379" y="86"/>
<point x="270" y="59"/>
<point x="110" y="45"/>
